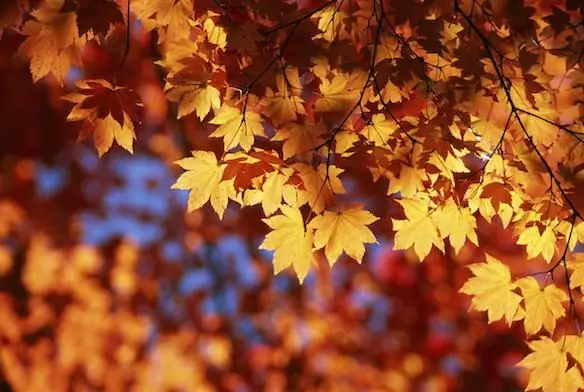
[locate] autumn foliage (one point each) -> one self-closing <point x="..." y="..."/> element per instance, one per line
<point x="449" y="133"/>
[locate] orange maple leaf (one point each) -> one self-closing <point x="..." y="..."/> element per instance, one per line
<point x="108" y="113"/>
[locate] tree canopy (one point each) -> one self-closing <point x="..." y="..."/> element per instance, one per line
<point x="318" y="130"/>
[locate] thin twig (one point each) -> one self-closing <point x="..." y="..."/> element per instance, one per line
<point x="127" y="44"/>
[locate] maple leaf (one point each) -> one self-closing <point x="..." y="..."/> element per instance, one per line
<point x="95" y="16"/>
<point x="53" y="43"/>
<point x="186" y="62"/>
<point x="244" y="38"/>
<point x="497" y="193"/>
<point x="491" y="200"/>
<point x="283" y="108"/>
<point x="248" y="169"/>
<point x="344" y="141"/>
<point x="492" y="290"/>
<point x="330" y="22"/>
<point x="203" y="177"/>
<point x="409" y="182"/>
<point x="379" y="130"/>
<point x="577" y="267"/>
<point x="543" y="133"/>
<point x="577" y="235"/>
<point x="299" y="138"/>
<point x="542" y="306"/>
<point x="457" y="223"/>
<point x="335" y="95"/>
<point x="196" y="97"/>
<point x="549" y="367"/>
<point x="237" y="129"/>
<point x="575" y="346"/>
<point x="321" y="184"/>
<point x="442" y="69"/>
<point x="291" y="243"/>
<point x="417" y="230"/>
<point x="538" y="243"/>
<point x="108" y="113"/>
<point x="392" y="93"/>
<point x="273" y="188"/>
<point x="449" y="165"/>
<point x="173" y="17"/>
<point x="216" y="34"/>
<point x="345" y="230"/>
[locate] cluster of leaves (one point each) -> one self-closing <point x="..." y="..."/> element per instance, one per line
<point x="452" y="108"/>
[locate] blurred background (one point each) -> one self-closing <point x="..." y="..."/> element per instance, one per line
<point x="106" y="284"/>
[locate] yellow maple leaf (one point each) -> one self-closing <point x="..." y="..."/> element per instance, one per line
<point x="177" y="52"/>
<point x="173" y="18"/>
<point x="198" y="98"/>
<point x="108" y="113"/>
<point x="237" y="129"/>
<point x="391" y="93"/>
<point x="53" y="43"/>
<point x="538" y="243"/>
<point x="288" y="81"/>
<point x="291" y="243"/>
<point x="387" y="48"/>
<point x="108" y="129"/>
<point x="543" y="133"/>
<point x="299" y="138"/>
<point x="457" y="223"/>
<point x="345" y="230"/>
<point x="321" y="184"/>
<point x="293" y="195"/>
<point x="252" y="197"/>
<point x="285" y="105"/>
<point x="449" y="165"/>
<point x="449" y="32"/>
<point x="409" y="182"/>
<point x="542" y="306"/>
<point x="344" y="140"/>
<point x="577" y="235"/>
<point x="441" y="69"/>
<point x="483" y="205"/>
<point x="492" y="290"/>
<point x="480" y="197"/>
<point x="548" y="364"/>
<point x="335" y="95"/>
<point x="576" y="264"/>
<point x="379" y="130"/>
<point x="273" y="188"/>
<point x="330" y="22"/>
<point x="203" y="178"/>
<point x="417" y="230"/>
<point x="282" y="108"/>
<point x="575" y="346"/>
<point x="216" y="34"/>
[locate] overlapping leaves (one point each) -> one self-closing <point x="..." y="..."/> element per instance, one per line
<point x="465" y="113"/>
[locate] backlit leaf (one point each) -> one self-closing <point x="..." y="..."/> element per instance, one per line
<point x="203" y="177"/>
<point x="418" y="230"/>
<point x="291" y="243"/>
<point x="237" y="129"/>
<point x="343" y="231"/>
<point x="493" y="290"/>
<point x="549" y="367"/>
<point x="543" y="306"/>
